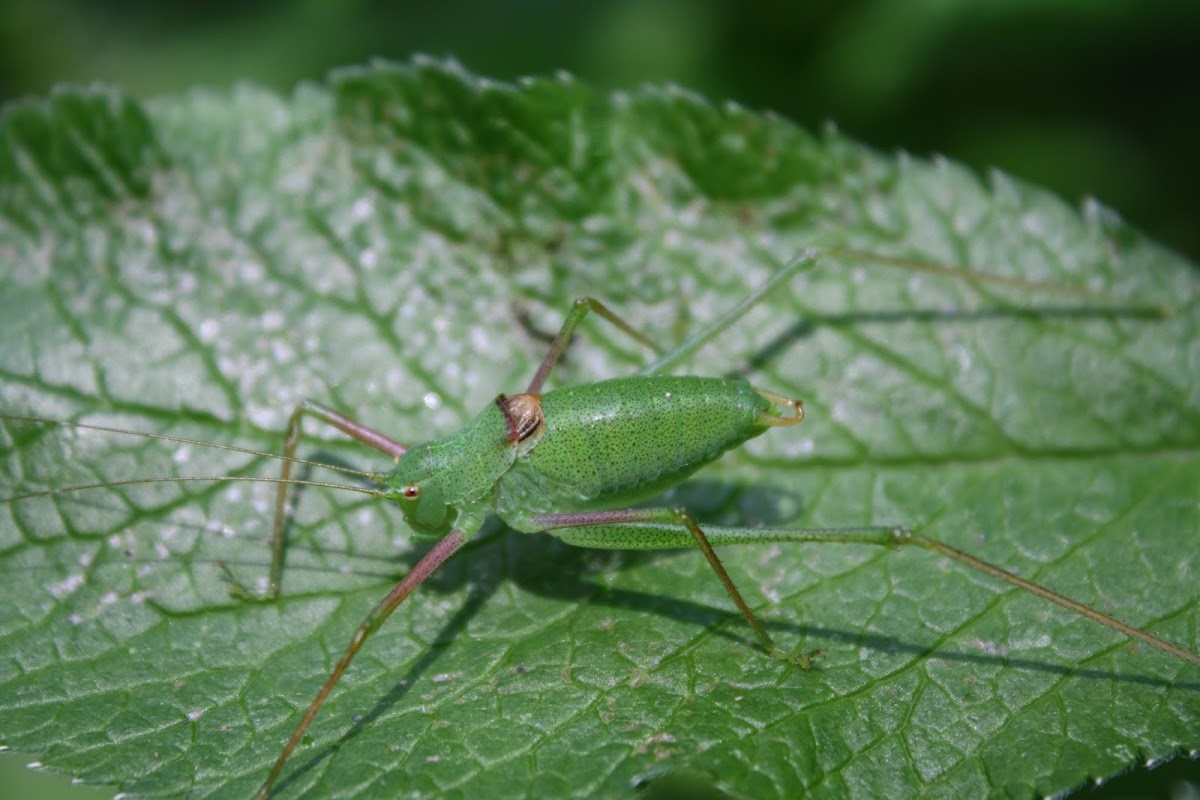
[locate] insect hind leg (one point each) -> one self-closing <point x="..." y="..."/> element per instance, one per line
<point x="652" y="529"/>
<point x="578" y="311"/>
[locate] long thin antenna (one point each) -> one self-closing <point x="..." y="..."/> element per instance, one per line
<point x="244" y="479"/>
<point x="181" y="440"/>
<point x="975" y="276"/>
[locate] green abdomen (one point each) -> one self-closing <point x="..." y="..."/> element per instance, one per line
<point x="618" y="442"/>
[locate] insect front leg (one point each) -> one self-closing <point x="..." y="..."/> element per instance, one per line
<point x="291" y="439"/>
<point x="653" y="529"/>
<point x="437" y="556"/>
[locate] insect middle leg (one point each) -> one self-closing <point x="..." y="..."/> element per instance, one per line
<point x="291" y="439"/>
<point x="655" y="528"/>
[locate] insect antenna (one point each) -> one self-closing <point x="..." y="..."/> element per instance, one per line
<point x="972" y="276"/>
<point x="182" y="440"/>
<point x="84" y="487"/>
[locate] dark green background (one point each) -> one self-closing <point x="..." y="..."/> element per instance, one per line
<point x="1087" y="97"/>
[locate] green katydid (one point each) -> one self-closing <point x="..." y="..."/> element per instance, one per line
<point x="574" y="462"/>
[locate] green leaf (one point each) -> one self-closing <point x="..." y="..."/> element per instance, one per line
<point x="398" y="243"/>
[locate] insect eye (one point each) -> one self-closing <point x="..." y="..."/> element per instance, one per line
<point x="412" y="491"/>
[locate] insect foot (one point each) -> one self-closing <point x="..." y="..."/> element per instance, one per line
<point x="239" y="592"/>
<point x="802" y="660"/>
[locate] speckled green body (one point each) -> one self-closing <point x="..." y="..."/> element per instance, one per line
<point x="616" y="443"/>
<point x="610" y="444"/>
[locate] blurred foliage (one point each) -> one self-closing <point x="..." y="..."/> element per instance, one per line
<point x="1082" y="96"/>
